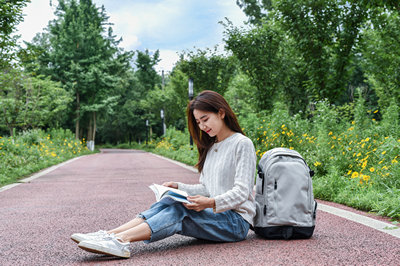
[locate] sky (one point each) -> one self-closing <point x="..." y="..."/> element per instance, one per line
<point x="171" y="26"/>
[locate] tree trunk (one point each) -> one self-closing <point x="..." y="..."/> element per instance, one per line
<point x="77" y="115"/>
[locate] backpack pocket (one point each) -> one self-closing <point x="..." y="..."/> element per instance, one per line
<point x="261" y="210"/>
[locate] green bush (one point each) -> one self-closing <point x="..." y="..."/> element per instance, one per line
<point x="356" y="161"/>
<point x="34" y="150"/>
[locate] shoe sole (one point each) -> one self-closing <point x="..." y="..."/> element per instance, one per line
<point x="76" y="240"/>
<point x="102" y="250"/>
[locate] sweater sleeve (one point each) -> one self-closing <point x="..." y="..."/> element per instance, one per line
<point x="195" y="189"/>
<point x="245" y="167"/>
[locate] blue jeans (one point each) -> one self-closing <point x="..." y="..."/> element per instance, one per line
<point x="166" y="220"/>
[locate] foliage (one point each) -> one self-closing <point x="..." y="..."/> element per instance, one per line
<point x="82" y="54"/>
<point x="175" y="145"/>
<point x="381" y="50"/>
<point x="30" y="102"/>
<point x="241" y="95"/>
<point x="34" y="150"/>
<point x="10" y="16"/>
<point x="139" y="101"/>
<point x="268" y="57"/>
<point x="306" y="51"/>
<point x="208" y="69"/>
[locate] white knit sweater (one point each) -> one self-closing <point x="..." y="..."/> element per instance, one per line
<point x="228" y="176"/>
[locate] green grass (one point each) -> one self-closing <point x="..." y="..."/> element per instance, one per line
<point x="35" y="150"/>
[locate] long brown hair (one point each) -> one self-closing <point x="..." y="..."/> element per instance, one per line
<point x="209" y="101"/>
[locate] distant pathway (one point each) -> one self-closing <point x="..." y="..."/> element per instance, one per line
<point x="103" y="190"/>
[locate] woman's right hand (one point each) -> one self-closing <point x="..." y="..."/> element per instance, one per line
<point x="170" y="184"/>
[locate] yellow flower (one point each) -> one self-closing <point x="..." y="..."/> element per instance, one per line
<point x="393" y="161"/>
<point x="354" y="175"/>
<point x="367" y="139"/>
<point x="353" y="122"/>
<point x="330" y="133"/>
<point x="365" y="177"/>
<point x="283" y="126"/>
<point x="364" y="164"/>
<point x="371" y="169"/>
<point x="316" y="164"/>
<point x="383" y="153"/>
<point x="349" y="172"/>
<point x="376" y="111"/>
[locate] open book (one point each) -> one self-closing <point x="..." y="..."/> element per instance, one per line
<point x="169" y="195"/>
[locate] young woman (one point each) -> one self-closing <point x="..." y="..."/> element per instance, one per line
<point x="222" y="204"/>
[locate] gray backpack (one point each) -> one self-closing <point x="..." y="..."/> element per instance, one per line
<point x="285" y="206"/>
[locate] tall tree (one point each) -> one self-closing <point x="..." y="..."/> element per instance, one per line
<point x="208" y="69"/>
<point x="10" y="16"/>
<point x="381" y="56"/>
<point x="82" y="53"/>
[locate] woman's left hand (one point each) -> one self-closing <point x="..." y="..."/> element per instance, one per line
<point x="199" y="203"/>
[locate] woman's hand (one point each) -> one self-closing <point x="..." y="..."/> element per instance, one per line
<point x="170" y="184"/>
<point x="199" y="203"/>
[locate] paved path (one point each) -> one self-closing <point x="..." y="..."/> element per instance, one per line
<point x="104" y="190"/>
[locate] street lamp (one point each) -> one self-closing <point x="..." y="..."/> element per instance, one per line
<point x="190" y="89"/>
<point x="162" y="120"/>
<point x="147" y="131"/>
<point x="191" y="98"/>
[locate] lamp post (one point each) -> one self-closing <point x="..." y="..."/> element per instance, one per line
<point x="162" y="113"/>
<point x="147" y="131"/>
<point x="162" y="120"/>
<point x="191" y="98"/>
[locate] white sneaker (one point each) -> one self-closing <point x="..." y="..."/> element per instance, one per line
<point x="77" y="237"/>
<point x="109" y="246"/>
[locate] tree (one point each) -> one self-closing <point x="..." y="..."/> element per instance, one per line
<point x="31" y="102"/>
<point x="146" y="73"/>
<point x="81" y="52"/>
<point x="327" y="36"/>
<point x="381" y="54"/>
<point x="208" y="69"/>
<point x="10" y="16"/>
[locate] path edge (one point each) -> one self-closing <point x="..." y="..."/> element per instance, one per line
<point x="39" y="174"/>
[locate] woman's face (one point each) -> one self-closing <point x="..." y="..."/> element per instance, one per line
<point x="209" y="122"/>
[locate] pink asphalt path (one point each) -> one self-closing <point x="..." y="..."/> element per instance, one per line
<point x="104" y="190"/>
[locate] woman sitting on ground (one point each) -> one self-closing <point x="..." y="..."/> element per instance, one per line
<point x="221" y="206"/>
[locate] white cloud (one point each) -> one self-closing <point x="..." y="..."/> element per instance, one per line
<point x="37" y="15"/>
<point x="168" y="25"/>
<point x="168" y="60"/>
<point x="135" y="21"/>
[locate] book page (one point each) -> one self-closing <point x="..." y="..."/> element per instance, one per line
<point x="176" y="194"/>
